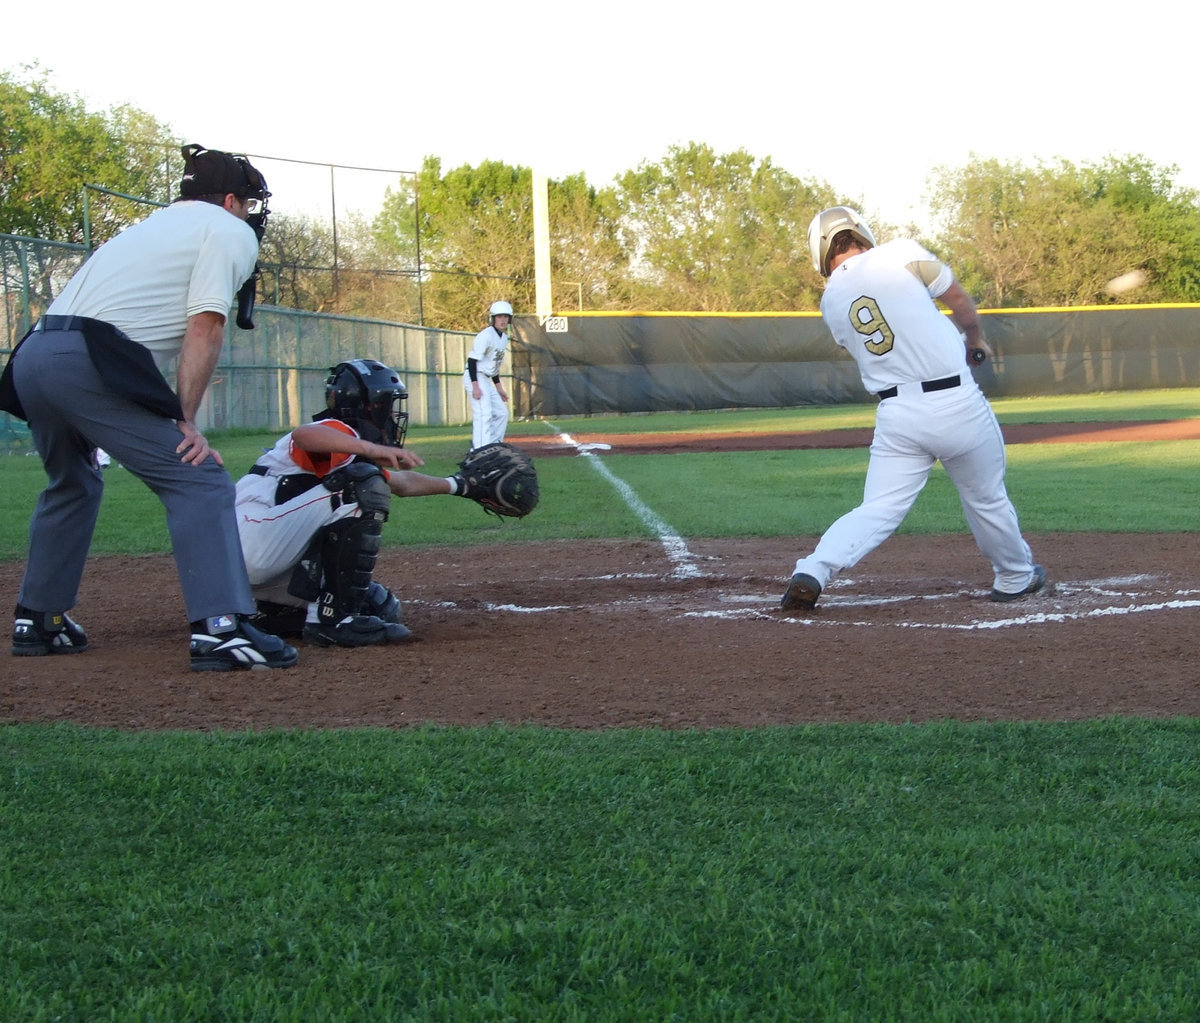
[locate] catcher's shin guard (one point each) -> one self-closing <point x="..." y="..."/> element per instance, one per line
<point x="350" y="548"/>
<point x="306" y="575"/>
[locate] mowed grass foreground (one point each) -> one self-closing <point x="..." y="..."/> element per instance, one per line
<point x="936" y="872"/>
<point x="946" y="872"/>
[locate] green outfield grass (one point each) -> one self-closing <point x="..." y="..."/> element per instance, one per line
<point x="942" y="872"/>
<point x="780" y="493"/>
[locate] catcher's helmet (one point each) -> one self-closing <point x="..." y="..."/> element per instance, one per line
<point x="365" y="389"/>
<point x="499" y="309"/>
<point x="829" y="223"/>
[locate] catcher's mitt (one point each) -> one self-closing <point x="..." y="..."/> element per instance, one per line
<point x="500" y="478"/>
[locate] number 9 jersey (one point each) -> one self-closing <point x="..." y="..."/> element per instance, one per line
<point x="879" y="305"/>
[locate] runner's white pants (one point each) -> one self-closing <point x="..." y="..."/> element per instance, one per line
<point x="489" y="414"/>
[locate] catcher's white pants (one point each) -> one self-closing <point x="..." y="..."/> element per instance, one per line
<point x="489" y="414"/>
<point x="275" y="536"/>
<point x="913" y="430"/>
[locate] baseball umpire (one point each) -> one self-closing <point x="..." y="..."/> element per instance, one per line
<point x="89" y="375"/>
<point x="311" y="510"/>
<point x="879" y="304"/>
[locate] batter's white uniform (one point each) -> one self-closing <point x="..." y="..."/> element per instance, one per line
<point x="879" y="308"/>
<point x="275" y="536"/>
<point x="489" y="413"/>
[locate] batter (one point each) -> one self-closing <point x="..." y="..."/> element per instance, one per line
<point x="879" y="304"/>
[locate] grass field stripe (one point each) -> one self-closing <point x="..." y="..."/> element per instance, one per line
<point x="677" y="550"/>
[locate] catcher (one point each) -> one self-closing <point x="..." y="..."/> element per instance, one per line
<point x="311" y="510"/>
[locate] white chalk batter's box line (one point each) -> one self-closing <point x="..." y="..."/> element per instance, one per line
<point x="1140" y="594"/>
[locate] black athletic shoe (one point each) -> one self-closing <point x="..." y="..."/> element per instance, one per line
<point x="230" y="643"/>
<point x="1035" y="584"/>
<point x="801" y="594"/>
<point x="37" y="633"/>
<point x="286" y="620"/>
<point x="355" y="631"/>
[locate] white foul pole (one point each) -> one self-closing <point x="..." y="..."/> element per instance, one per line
<point x="542" y="296"/>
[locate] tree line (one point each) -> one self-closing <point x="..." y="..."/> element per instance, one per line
<point x="695" y="230"/>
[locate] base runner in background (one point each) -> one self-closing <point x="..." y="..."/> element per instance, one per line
<point x="489" y="411"/>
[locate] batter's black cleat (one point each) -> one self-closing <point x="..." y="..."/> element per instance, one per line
<point x="801" y="594"/>
<point x="37" y="633"/>
<point x="1035" y="584"/>
<point x="356" y="631"/>
<point x="231" y="643"/>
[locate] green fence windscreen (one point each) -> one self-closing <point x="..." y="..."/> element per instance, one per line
<point x="595" y="363"/>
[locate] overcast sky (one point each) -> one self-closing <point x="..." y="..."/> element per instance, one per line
<point x="868" y="96"/>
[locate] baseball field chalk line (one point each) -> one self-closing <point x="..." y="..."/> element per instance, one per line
<point x="674" y="545"/>
<point x="1072" y="600"/>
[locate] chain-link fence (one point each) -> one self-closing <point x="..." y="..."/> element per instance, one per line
<point x="274" y="376"/>
<point x="270" y="378"/>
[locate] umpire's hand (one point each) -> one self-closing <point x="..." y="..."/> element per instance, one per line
<point x="194" y="449"/>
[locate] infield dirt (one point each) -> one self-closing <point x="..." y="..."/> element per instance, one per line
<point x="615" y="634"/>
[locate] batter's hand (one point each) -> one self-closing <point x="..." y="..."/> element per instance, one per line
<point x="194" y="449"/>
<point x="979" y="353"/>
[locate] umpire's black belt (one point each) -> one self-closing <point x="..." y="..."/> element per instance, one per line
<point x="124" y="365"/>
<point x="926" y="385"/>
<point x="62" y="323"/>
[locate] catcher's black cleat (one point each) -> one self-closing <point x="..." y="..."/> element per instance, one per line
<point x="801" y="594"/>
<point x="286" y="620"/>
<point x="37" y="633"/>
<point x="1035" y="584"/>
<point x="230" y="643"/>
<point x="383" y="603"/>
<point x="355" y="631"/>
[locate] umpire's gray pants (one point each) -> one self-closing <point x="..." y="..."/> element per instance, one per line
<point x="71" y="411"/>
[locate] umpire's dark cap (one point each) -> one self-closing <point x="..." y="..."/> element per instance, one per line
<point x="211" y="172"/>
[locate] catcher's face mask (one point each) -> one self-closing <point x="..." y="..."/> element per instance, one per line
<point x="389" y="415"/>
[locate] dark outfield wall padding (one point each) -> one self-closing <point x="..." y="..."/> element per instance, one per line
<point x="587" y="364"/>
